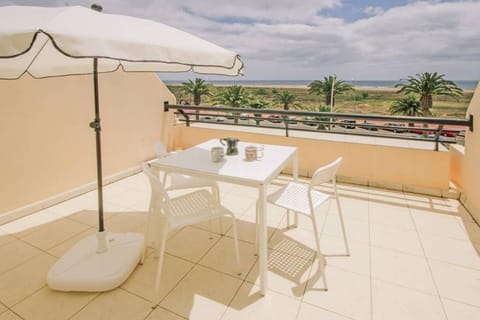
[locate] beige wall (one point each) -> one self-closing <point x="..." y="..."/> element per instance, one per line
<point x="398" y="168"/>
<point x="471" y="162"/>
<point x="457" y="165"/>
<point x="47" y="144"/>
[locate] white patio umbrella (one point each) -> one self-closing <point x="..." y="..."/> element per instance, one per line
<point x="52" y="42"/>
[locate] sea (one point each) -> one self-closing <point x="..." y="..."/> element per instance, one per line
<point x="463" y="84"/>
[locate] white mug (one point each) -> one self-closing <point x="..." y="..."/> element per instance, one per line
<point x="253" y="153"/>
<point x="217" y="154"/>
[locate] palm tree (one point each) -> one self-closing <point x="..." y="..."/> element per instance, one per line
<point x="408" y="105"/>
<point x="325" y="88"/>
<point x="285" y="98"/>
<point x="258" y="103"/>
<point x="235" y="96"/>
<point x="427" y="85"/>
<point x="196" y="89"/>
<point x="321" y="126"/>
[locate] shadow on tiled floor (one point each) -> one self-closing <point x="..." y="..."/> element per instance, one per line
<point x="412" y="257"/>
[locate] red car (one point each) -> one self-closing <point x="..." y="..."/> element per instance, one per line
<point x="275" y="118"/>
<point x="450" y="134"/>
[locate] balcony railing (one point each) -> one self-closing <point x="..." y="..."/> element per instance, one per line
<point x="438" y="130"/>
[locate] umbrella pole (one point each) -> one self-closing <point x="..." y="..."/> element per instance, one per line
<point x="81" y="268"/>
<point x="95" y="124"/>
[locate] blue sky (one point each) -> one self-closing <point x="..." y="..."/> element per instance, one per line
<point x="310" y="39"/>
<point x="352" y="10"/>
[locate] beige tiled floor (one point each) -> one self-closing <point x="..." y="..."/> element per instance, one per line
<point x="412" y="257"/>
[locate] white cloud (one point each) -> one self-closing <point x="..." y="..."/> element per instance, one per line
<point x="285" y="39"/>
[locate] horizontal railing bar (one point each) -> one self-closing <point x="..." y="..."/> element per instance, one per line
<point x="314" y="129"/>
<point x="429" y="120"/>
<point x="334" y="123"/>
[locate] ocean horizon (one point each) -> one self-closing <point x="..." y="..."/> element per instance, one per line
<point x="463" y="84"/>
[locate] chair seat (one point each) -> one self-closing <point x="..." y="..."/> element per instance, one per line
<point x="194" y="208"/>
<point x="181" y="181"/>
<point x="294" y="196"/>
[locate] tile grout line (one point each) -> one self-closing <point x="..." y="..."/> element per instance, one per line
<point x="427" y="261"/>
<point x="370" y="255"/>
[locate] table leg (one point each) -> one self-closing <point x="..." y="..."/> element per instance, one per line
<point x="263" y="248"/>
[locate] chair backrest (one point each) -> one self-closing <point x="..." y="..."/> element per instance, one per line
<point x="160" y="150"/>
<point x="326" y="173"/>
<point x="158" y="196"/>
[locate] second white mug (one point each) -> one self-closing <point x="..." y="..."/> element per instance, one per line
<point x="253" y="153"/>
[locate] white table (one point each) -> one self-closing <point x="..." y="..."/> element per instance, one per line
<point x="235" y="169"/>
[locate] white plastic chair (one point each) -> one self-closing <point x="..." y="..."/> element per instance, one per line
<point x="178" y="181"/>
<point x="304" y="199"/>
<point x="168" y="214"/>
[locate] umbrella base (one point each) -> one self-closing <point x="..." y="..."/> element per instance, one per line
<point x="84" y="268"/>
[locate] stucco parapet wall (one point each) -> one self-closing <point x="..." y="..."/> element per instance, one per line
<point x="48" y="147"/>
<point x="384" y="163"/>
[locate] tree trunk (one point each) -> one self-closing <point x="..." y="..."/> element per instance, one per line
<point x="197" y="99"/>
<point x="426" y="102"/>
<point x="328" y="100"/>
<point x="258" y="117"/>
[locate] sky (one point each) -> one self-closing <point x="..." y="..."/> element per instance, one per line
<point x="311" y="39"/>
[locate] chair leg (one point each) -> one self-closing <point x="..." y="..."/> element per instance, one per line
<point x="210" y="229"/>
<point x="216" y="195"/>
<point x="147" y="235"/>
<point x="257" y="229"/>
<point x="235" y="240"/>
<point x="295" y="220"/>
<point x="321" y="259"/>
<point x="163" y="232"/>
<point x="340" y="213"/>
<point x="160" y="254"/>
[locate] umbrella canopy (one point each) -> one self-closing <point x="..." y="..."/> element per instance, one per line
<point x="47" y="42"/>
<point x="51" y="42"/>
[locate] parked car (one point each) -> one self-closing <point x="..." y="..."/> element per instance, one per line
<point x="275" y="118"/>
<point x="395" y="127"/>
<point x="244" y="116"/>
<point x="220" y="119"/>
<point x="348" y="124"/>
<point x="418" y="131"/>
<point x="368" y="126"/>
<point x="450" y="134"/>
<point x="207" y="117"/>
